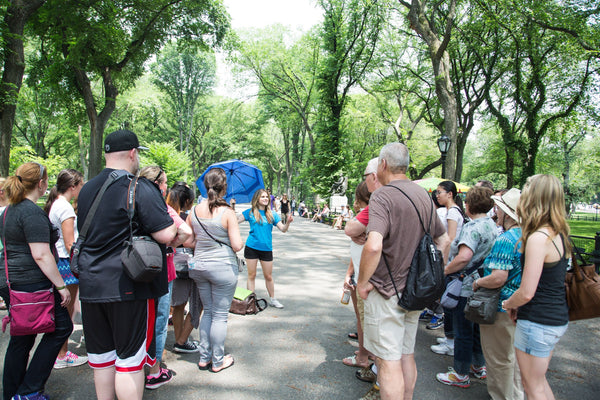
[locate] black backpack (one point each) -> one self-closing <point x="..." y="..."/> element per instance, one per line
<point x="425" y="283"/>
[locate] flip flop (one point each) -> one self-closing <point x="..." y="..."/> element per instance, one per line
<point x="351" y="362"/>
<point x="224" y="366"/>
<point x="353" y="335"/>
<point x="204" y="367"/>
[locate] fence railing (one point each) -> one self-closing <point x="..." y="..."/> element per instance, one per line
<point x="587" y="249"/>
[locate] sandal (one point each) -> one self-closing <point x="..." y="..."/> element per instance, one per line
<point x="204" y="367"/>
<point x="353" y="335"/>
<point x="366" y="375"/>
<point x="225" y="364"/>
<point x="352" y="362"/>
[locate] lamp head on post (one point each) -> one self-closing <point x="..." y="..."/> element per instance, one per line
<point x="444" y="143"/>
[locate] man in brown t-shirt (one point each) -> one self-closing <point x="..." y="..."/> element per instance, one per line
<point x="394" y="231"/>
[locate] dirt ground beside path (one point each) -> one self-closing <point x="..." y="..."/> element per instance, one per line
<point x="296" y="353"/>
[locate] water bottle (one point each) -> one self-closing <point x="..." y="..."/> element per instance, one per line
<point x="345" y="297"/>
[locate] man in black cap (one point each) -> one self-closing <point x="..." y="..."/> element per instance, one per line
<point x="118" y="313"/>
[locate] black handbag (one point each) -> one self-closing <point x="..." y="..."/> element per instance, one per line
<point x="482" y="306"/>
<point x="142" y="257"/>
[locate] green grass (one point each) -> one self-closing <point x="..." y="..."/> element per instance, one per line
<point x="584" y="228"/>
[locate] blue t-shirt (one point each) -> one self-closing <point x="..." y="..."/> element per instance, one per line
<point x="505" y="256"/>
<point x="261" y="232"/>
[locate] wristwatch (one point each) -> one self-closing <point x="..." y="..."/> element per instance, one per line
<point x="502" y="305"/>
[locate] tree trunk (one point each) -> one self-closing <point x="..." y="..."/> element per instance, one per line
<point x="17" y="14"/>
<point x="441" y="70"/>
<point x="97" y="121"/>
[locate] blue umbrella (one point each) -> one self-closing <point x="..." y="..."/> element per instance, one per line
<point x="243" y="180"/>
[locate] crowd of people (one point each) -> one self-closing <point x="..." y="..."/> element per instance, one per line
<point x="513" y="240"/>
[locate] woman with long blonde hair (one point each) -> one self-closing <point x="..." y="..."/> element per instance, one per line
<point x="259" y="245"/>
<point x="539" y="306"/>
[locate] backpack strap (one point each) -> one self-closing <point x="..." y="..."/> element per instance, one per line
<point x="422" y="226"/>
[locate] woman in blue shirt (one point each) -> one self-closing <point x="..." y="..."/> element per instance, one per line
<point x="259" y="245"/>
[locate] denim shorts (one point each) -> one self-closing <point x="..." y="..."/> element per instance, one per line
<point x="537" y="339"/>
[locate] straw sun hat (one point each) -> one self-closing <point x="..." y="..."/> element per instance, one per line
<point x="508" y="202"/>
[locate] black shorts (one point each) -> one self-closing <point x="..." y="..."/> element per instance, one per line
<point x="120" y="334"/>
<point x="253" y="254"/>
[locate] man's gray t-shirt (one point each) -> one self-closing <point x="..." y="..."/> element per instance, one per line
<point x="393" y="216"/>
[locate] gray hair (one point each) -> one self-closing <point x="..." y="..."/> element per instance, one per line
<point x="397" y="157"/>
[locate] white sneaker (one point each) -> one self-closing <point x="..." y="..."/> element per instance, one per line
<point x="443" y="348"/>
<point x="275" y="303"/>
<point x="70" y="360"/>
<point x="441" y="340"/>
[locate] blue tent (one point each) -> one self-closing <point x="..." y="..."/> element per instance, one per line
<point x="243" y="180"/>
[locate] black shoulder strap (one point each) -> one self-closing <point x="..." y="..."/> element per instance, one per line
<point x="131" y="204"/>
<point x="418" y="214"/>
<point x="113" y="176"/>
<point x="205" y="230"/>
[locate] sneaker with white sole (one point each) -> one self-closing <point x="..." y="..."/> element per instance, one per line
<point x="275" y="303"/>
<point x="436" y="322"/>
<point x="443" y="348"/>
<point x="187" y="347"/>
<point x="479" y="372"/>
<point x="157" y="381"/>
<point x="70" y="360"/>
<point x="441" y="340"/>
<point x="31" y="396"/>
<point x="452" y="378"/>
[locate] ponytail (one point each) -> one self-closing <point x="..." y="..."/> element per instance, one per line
<point x="51" y="198"/>
<point x="215" y="182"/>
<point x="25" y="180"/>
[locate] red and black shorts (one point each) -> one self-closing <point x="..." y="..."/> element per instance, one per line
<point x="120" y="334"/>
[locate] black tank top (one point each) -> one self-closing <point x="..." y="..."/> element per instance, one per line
<point x="549" y="304"/>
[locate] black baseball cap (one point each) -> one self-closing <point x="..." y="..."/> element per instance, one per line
<point x="122" y="140"/>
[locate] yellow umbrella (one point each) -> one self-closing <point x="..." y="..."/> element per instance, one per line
<point x="431" y="184"/>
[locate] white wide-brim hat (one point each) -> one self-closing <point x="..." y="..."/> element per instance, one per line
<point x="508" y="202"/>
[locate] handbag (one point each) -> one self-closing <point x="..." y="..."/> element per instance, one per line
<point x="29" y="313"/>
<point x="182" y="255"/>
<point x="78" y="245"/>
<point x="582" y="285"/>
<point x="241" y="263"/>
<point x="452" y="293"/>
<point x="142" y="257"/>
<point x="482" y="306"/>
<point x="245" y="302"/>
<point x="453" y="287"/>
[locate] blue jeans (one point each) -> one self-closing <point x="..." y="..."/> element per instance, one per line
<point x="216" y="283"/>
<point x="18" y="377"/>
<point x="162" y="322"/>
<point x="467" y="342"/>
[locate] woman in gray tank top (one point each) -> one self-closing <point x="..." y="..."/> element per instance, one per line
<point x="214" y="267"/>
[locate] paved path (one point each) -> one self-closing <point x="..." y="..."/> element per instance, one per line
<point x="296" y="353"/>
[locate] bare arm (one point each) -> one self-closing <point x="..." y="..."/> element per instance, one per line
<point x="191" y="240"/>
<point x="183" y="234"/>
<point x="368" y="263"/>
<point x="349" y="274"/>
<point x="233" y="230"/>
<point x="535" y="254"/>
<point x="443" y="244"/>
<point x="495" y="280"/>
<point x="462" y="259"/>
<point x="45" y="260"/>
<point x="67" y="228"/>
<point x="283" y="228"/>
<point x="241" y="218"/>
<point x="452" y="225"/>
<point x="166" y="235"/>
<point x="356" y="231"/>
